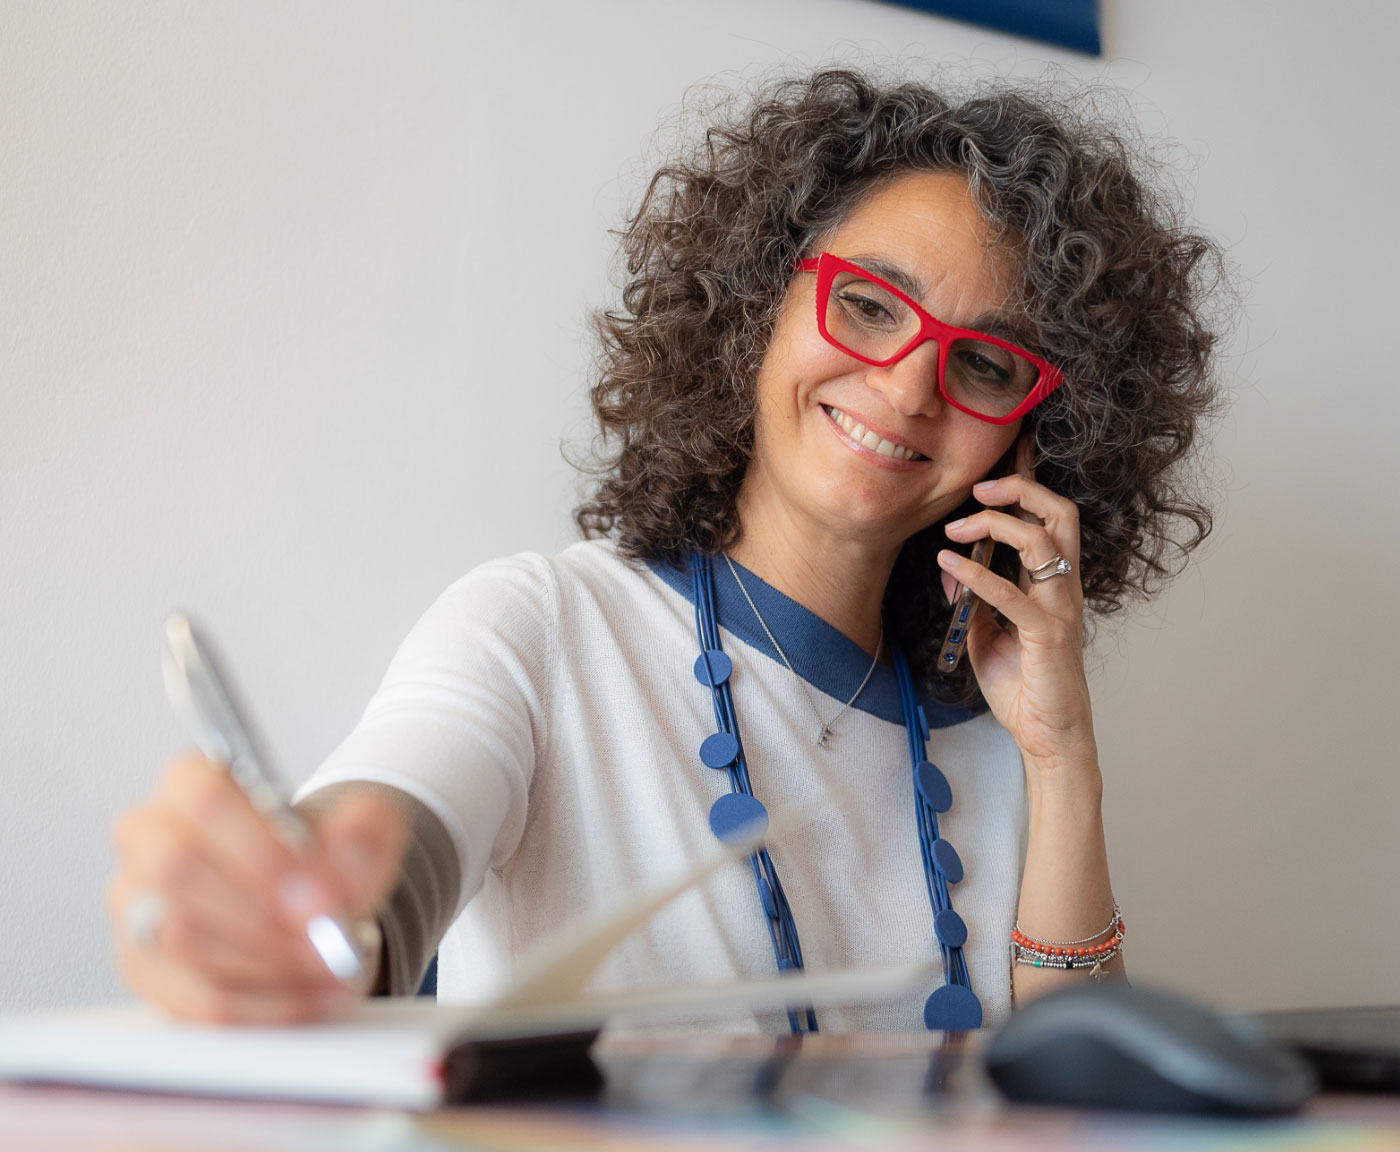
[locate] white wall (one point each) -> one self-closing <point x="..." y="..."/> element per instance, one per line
<point x="292" y="306"/>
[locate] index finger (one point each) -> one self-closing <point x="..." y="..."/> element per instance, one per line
<point x="240" y="841"/>
<point x="1059" y="515"/>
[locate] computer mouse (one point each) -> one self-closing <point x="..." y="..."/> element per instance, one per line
<point x="1114" y="1046"/>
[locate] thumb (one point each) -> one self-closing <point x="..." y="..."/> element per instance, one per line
<point x="362" y="840"/>
<point x="950" y="586"/>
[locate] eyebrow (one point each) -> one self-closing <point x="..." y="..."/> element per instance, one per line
<point x="1003" y="327"/>
<point x="909" y="284"/>
<point x="997" y="324"/>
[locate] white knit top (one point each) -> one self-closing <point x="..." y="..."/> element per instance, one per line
<point x="546" y="711"/>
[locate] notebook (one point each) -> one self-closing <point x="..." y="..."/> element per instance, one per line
<point x="414" y="1054"/>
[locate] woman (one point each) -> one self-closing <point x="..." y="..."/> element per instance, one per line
<point x="865" y="328"/>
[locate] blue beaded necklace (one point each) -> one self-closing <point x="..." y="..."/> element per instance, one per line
<point x="953" y="1007"/>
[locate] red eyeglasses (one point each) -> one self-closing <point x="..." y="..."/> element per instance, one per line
<point x="878" y="324"/>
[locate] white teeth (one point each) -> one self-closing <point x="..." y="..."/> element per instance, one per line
<point x="863" y="436"/>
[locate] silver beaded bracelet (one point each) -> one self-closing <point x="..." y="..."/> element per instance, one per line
<point x="1070" y="954"/>
<point x="1042" y="960"/>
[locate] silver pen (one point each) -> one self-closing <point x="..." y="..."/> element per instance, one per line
<point x="198" y="692"/>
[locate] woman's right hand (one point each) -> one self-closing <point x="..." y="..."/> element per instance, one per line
<point x="226" y="903"/>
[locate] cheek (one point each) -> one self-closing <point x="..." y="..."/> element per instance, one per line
<point x="994" y="454"/>
<point x="793" y="368"/>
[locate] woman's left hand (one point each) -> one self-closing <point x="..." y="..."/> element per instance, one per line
<point x="1031" y="672"/>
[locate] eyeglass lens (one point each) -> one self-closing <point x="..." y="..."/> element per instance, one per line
<point x="867" y="319"/>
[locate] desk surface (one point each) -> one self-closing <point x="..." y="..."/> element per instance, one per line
<point x="691" y="1093"/>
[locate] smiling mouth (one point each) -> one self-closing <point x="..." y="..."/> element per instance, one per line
<point x="867" y="439"/>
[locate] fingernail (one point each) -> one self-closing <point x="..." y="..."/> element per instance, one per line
<point x="949" y="559"/>
<point x="983" y="485"/>
<point x="301" y="896"/>
<point x="955" y="523"/>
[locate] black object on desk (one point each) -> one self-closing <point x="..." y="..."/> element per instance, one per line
<point x="1114" y="1046"/>
<point x="1350" y="1049"/>
<point x="530" y="1068"/>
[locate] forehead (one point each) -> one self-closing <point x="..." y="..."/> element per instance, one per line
<point x="927" y="225"/>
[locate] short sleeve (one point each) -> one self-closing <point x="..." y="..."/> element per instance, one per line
<point x="460" y="719"/>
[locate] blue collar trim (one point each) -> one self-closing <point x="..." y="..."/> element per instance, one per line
<point x="822" y="656"/>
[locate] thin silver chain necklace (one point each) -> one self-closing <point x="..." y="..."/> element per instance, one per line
<point x="827" y="732"/>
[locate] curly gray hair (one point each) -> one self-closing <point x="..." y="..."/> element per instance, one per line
<point x="1114" y="289"/>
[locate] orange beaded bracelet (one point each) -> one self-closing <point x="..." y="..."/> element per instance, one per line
<point x="1090" y="952"/>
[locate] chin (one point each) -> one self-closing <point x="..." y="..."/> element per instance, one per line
<point x="867" y="513"/>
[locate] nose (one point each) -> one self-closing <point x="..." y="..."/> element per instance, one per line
<point x="910" y="385"/>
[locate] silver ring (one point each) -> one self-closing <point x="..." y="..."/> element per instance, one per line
<point x="1057" y="565"/>
<point x="145" y="913"/>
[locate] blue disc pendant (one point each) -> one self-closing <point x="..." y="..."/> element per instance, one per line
<point x="933" y="786"/>
<point x="713" y="667"/>
<point x="952" y="1008"/>
<point x="951" y="930"/>
<point x="719" y="750"/>
<point x="947" y="861"/>
<point x="736" y="815"/>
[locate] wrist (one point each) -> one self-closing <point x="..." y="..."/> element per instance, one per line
<point x="1066" y="775"/>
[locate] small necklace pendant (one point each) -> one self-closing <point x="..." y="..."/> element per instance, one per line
<point x="825" y="735"/>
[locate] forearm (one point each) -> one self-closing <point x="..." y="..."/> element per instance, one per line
<point x="1065" y="888"/>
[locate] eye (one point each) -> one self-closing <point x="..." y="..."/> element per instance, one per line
<point x="866" y="308"/>
<point x="979" y="365"/>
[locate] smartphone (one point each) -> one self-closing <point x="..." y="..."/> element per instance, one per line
<point x="964" y="602"/>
